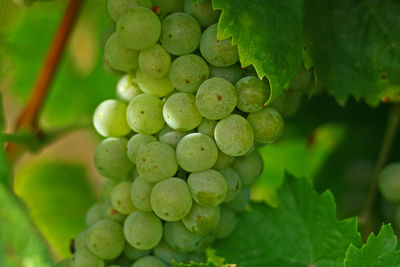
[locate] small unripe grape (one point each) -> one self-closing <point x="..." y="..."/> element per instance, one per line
<point x="155" y="61"/>
<point x="267" y="124"/>
<point x="389" y="182"/>
<point x="227" y="223"/>
<point x="180" y="238"/>
<point x="111" y="213"/>
<point x="288" y="103"/>
<point x="223" y="161"/>
<point x="240" y="202"/>
<point x="203" y="12"/>
<point x="136" y="142"/>
<point x="121" y="199"/>
<point x="140" y="194"/>
<point x="207" y="127"/>
<point x="120" y="57"/>
<point x="110" y="119"/>
<point x="158" y="87"/>
<point x="134" y="253"/>
<point x="168" y="136"/>
<point x="249" y="167"/>
<point x="117" y="8"/>
<point x="233" y="182"/>
<point x="149" y="261"/>
<point x="168" y="254"/>
<point x="253" y="93"/>
<point x="84" y="258"/>
<point x="127" y="88"/>
<point x="202" y="220"/>
<point x="208" y="188"/>
<point x="232" y="73"/>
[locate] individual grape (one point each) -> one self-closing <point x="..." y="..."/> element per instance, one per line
<point x="240" y="202"/>
<point x="111" y="213"/>
<point x="188" y="72"/>
<point x="207" y="127"/>
<point x="172" y="137"/>
<point x="231" y="73"/>
<point x="164" y="8"/>
<point x="127" y="88"/>
<point x="64" y="263"/>
<point x="233" y="182"/>
<point x="121" y="198"/>
<point x="120" y="57"/>
<point x="155" y="61"/>
<point x="134" y="253"/>
<point x="136" y="142"/>
<point x="158" y="87"/>
<point x="302" y="79"/>
<point x="180" y="238"/>
<point x="139" y="28"/>
<point x="202" y="220"/>
<point x="196" y="152"/>
<point x="196" y="257"/>
<point x="208" y="188"/>
<point x="109" y="119"/>
<point x="109" y="69"/>
<point x="110" y="158"/>
<point x="140" y="194"/>
<point x="143" y="230"/>
<point x="288" y="103"/>
<point x="94" y="214"/>
<point x="167" y="254"/>
<point x="85" y="258"/>
<point x="171" y="199"/>
<point x="216" y="98"/>
<point x="203" y="12"/>
<point x="223" y="161"/>
<point x="156" y="161"/>
<point x="234" y="135"/>
<point x="267" y="124"/>
<point x="105" y="239"/>
<point x="180" y="112"/>
<point x="107" y="188"/>
<point x="253" y="93"/>
<point x="117" y="8"/>
<point x="227" y="223"/>
<point x="80" y="241"/>
<point x="220" y="53"/>
<point x="180" y="34"/>
<point x="389" y="182"/>
<point x="249" y="167"/>
<point x="144" y="114"/>
<point x="149" y="261"/>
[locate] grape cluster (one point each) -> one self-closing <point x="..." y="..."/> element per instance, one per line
<point x="180" y="149"/>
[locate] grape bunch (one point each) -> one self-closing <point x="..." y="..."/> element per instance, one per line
<point x="180" y="138"/>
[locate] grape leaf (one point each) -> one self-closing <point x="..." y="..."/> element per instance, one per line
<point x="355" y="47"/>
<point x="268" y="34"/>
<point x="5" y="171"/>
<point x="301" y="231"/>
<point x="379" y="251"/>
<point x="208" y="264"/>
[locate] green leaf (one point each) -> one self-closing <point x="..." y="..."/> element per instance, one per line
<point x="57" y="195"/>
<point x="301" y="231"/>
<point x="208" y="264"/>
<point x="269" y="35"/>
<point x="355" y="47"/>
<point x="5" y="171"/>
<point x="379" y="251"/>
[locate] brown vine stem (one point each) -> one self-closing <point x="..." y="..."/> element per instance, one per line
<point x="28" y="119"/>
<point x="367" y="216"/>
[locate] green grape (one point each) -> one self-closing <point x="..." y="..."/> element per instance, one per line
<point x="167" y="254"/>
<point x="168" y="136"/>
<point x="207" y="127"/>
<point x="180" y="238"/>
<point x="120" y="57"/>
<point x="164" y="8"/>
<point x="227" y="223"/>
<point x="133" y="253"/>
<point x="216" y="98"/>
<point x="234" y="135"/>
<point x="253" y="93"/>
<point x="117" y="8"/>
<point x="180" y="34"/>
<point x="109" y="212"/>
<point x="208" y="188"/>
<point x="110" y="158"/>
<point x="121" y="199"/>
<point x="105" y="239"/>
<point x="107" y="188"/>
<point x="127" y="88"/>
<point x="171" y="199"/>
<point x="188" y="72"/>
<point x="389" y="182"/>
<point x="180" y="112"/>
<point x="220" y="53"/>
<point x="203" y="12"/>
<point x="140" y="194"/>
<point x="149" y="261"/>
<point x="144" y="114"/>
<point x="196" y="152"/>
<point x="267" y="124"/>
<point x="156" y="161"/>
<point x="80" y="240"/>
<point x="158" y="87"/>
<point x="155" y="61"/>
<point x="231" y="73"/>
<point x="196" y="257"/>
<point x="143" y="230"/>
<point x="288" y="103"/>
<point x="240" y="202"/>
<point x="64" y="263"/>
<point x="249" y="167"/>
<point x="202" y="220"/>
<point x="85" y="258"/>
<point x="233" y="182"/>
<point x="302" y="79"/>
<point x="109" y="69"/>
<point x="136" y="142"/>
<point x="139" y="28"/>
<point x="223" y="161"/>
<point x="94" y="214"/>
<point x="109" y="119"/>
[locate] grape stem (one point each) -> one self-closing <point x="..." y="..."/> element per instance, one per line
<point x="28" y="119"/>
<point x="366" y="219"/>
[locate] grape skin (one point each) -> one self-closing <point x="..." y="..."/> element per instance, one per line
<point x="110" y="119"/>
<point x="180" y="238"/>
<point x="120" y="57"/>
<point x="136" y="142"/>
<point x="149" y="261"/>
<point x="267" y="124"/>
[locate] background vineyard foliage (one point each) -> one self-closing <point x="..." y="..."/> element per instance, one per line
<point x="332" y="141"/>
